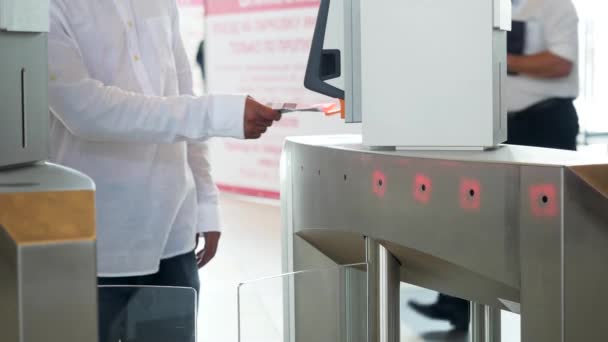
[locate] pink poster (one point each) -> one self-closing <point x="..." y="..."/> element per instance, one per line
<point x="261" y="47"/>
<point x="217" y="7"/>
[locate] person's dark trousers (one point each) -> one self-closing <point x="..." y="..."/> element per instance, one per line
<point x="552" y="124"/>
<point x="179" y="271"/>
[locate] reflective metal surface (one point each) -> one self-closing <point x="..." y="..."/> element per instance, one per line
<point x="47" y="212"/>
<point x="47" y="256"/>
<point x="478" y="322"/>
<point x="485" y="323"/>
<point x="24" y="115"/>
<point x="511" y="226"/>
<point x="382" y="293"/>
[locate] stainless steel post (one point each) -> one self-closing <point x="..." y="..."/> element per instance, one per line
<point x="478" y="323"/>
<point x="48" y="278"/>
<point x="493" y="327"/>
<point x="383" y="301"/>
<point x="485" y="323"/>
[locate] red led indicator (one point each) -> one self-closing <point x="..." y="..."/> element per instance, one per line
<point x="543" y="200"/>
<point x="379" y="183"/>
<point x="422" y="188"/>
<point x="470" y="194"/>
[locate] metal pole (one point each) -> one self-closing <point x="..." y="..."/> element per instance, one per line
<point x="383" y="302"/>
<point x="485" y="323"/>
<point x="493" y="330"/>
<point x="478" y="323"/>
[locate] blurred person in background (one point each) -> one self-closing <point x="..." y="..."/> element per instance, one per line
<point x="541" y="88"/>
<point x="200" y="60"/>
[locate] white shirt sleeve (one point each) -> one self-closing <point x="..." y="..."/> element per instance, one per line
<point x="198" y="152"/>
<point x="560" y="24"/>
<point x="206" y="191"/>
<point x="94" y="111"/>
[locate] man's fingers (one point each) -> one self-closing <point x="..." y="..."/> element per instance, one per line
<point x="205" y="260"/>
<point x="258" y="118"/>
<point x="264" y="122"/>
<point x="269" y="113"/>
<point x="255" y="132"/>
<point x="208" y="253"/>
<point x="204" y="257"/>
<point x="196" y="239"/>
<point x="275" y="115"/>
<point x="199" y="258"/>
<point x="261" y="129"/>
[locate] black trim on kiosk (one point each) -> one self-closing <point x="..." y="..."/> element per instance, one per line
<point x="323" y="64"/>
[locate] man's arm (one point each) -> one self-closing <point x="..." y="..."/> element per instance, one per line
<point x="94" y="111"/>
<point x="541" y="65"/>
<point x="208" y="223"/>
<point x="560" y="28"/>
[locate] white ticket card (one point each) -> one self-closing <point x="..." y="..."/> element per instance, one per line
<point x="327" y="108"/>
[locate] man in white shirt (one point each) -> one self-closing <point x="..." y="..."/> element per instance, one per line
<point x="123" y="112"/>
<point x="544" y="81"/>
<point x="541" y="87"/>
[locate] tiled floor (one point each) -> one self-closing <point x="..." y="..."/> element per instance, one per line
<point x="251" y="249"/>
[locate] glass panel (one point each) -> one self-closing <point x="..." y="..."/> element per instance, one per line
<point x="418" y="328"/>
<point x="510" y="326"/>
<point x="147" y="314"/>
<point x="330" y="305"/>
<point x="314" y="305"/>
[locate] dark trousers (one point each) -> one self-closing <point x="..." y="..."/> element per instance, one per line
<point x="150" y="314"/>
<point x="552" y="124"/>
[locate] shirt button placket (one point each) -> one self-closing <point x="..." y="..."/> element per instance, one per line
<point x="132" y="40"/>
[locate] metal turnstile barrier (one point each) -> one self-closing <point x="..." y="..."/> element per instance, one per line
<point x="48" y="278"/>
<point x="516" y="228"/>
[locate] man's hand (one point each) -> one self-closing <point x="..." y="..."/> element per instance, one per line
<point x="258" y="118"/>
<point x="212" y="240"/>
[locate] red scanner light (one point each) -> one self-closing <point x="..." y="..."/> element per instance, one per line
<point x="470" y="194"/>
<point x="422" y="188"/>
<point x="379" y="183"/>
<point x="543" y="200"/>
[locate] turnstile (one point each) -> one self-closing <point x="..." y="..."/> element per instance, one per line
<point x="517" y="228"/>
<point x="48" y="280"/>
